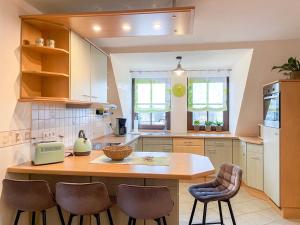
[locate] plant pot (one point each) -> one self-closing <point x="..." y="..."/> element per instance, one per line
<point x="218" y="128"/>
<point x="196" y="127"/>
<point x="207" y="128"/>
<point x="295" y="75"/>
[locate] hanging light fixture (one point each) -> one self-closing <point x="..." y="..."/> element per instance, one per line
<point x="179" y="71"/>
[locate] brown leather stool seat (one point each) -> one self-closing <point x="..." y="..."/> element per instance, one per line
<point x="29" y="196"/>
<point x="145" y="202"/>
<point x="225" y="186"/>
<point x="81" y="199"/>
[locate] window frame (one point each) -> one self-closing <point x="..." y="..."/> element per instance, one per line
<point x="148" y="127"/>
<point x="225" y="126"/>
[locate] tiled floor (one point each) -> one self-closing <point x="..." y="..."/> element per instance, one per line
<point x="248" y="210"/>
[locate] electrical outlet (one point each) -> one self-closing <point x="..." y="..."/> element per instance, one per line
<point x="18" y="138"/>
<point x="27" y="135"/>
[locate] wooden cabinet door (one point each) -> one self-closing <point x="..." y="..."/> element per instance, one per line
<point x="239" y="156"/>
<point x="80" y="69"/>
<point x="199" y="150"/>
<point x="157" y="148"/>
<point x="98" y="76"/>
<point x="254" y="167"/>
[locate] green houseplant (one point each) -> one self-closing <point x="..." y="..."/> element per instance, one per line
<point x="219" y="125"/>
<point x="291" y="68"/>
<point x="196" y="125"/>
<point x="208" y="125"/>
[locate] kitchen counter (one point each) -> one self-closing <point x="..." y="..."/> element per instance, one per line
<point x="113" y="139"/>
<point x="252" y="140"/>
<point x="182" y="166"/>
<point x="189" y="134"/>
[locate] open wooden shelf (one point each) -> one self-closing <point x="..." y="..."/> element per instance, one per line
<point x="46" y="50"/>
<point x="44" y="74"/>
<point x="54" y="100"/>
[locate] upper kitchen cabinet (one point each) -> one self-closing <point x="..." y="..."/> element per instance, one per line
<point x="88" y="71"/>
<point x="44" y="69"/>
<point x="80" y="69"/>
<point x="98" y="76"/>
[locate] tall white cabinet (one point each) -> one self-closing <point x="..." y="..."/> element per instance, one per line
<point x="88" y="71"/>
<point x="272" y="163"/>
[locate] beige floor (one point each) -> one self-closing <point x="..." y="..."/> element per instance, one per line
<point x="248" y="210"/>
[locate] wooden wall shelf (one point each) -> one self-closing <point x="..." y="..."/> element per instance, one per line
<point x="55" y="100"/>
<point x="45" y="74"/>
<point x="46" y="50"/>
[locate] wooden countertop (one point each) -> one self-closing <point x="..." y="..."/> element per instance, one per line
<point x="182" y="166"/>
<point x="123" y="140"/>
<point x="252" y="140"/>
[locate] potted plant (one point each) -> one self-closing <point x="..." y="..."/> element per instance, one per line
<point x="291" y="68"/>
<point x="196" y="125"/>
<point x="208" y="125"/>
<point x="219" y="125"/>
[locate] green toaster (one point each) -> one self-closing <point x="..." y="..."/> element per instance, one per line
<point x="48" y="152"/>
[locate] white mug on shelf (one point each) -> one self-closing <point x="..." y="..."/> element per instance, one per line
<point x="50" y="43"/>
<point x="39" y="42"/>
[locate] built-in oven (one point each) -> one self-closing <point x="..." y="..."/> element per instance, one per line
<point x="272" y="105"/>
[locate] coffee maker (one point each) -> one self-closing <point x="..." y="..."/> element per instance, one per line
<point x="120" y="129"/>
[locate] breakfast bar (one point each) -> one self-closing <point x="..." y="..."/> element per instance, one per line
<point x="176" y="166"/>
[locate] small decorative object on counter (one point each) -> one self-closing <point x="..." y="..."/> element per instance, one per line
<point x="196" y="125"/>
<point x="50" y="43"/>
<point x="82" y="146"/>
<point x="117" y="152"/>
<point x="39" y="42"/>
<point x="219" y="125"/>
<point x="208" y="125"/>
<point x="290" y="69"/>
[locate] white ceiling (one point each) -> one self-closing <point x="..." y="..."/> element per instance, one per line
<point x="219" y="59"/>
<point x="215" y="20"/>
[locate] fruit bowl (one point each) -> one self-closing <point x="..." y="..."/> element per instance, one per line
<point x="117" y="153"/>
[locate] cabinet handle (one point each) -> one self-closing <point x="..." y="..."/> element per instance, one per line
<point x="187" y="142"/>
<point x="255" y="158"/>
<point x="94" y="97"/>
<point x="86" y="95"/>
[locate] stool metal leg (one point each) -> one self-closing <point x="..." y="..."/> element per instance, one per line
<point x="193" y="212"/>
<point x="204" y="214"/>
<point x="130" y="221"/>
<point x="17" y="217"/>
<point x="33" y="218"/>
<point x="44" y="217"/>
<point x="158" y="221"/>
<point x="164" y="220"/>
<point x="220" y="211"/>
<point x="97" y="219"/>
<point x="134" y="221"/>
<point x="231" y="212"/>
<point x="70" y="219"/>
<point x="81" y="220"/>
<point x="61" y="217"/>
<point x="110" y="218"/>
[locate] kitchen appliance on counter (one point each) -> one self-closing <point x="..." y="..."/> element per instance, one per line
<point x="48" y="152"/>
<point x="82" y="146"/>
<point x="271" y="104"/>
<point x="120" y="129"/>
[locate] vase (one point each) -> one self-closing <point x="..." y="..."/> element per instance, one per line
<point x="218" y="128"/>
<point x="207" y="128"/>
<point x="295" y="75"/>
<point x="196" y="127"/>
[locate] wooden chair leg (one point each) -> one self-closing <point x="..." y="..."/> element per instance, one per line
<point x="193" y="212"/>
<point x="18" y="217"/>
<point x="220" y="212"/>
<point x="164" y="220"/>
<point x="81" y="220"/>
<point x="98" y="222"/>
<point x="231" y="212"/>
<point x="204" y="214"/>
<point x="70" y="219"/>
<point x="44" y="217"/>
<point x="33" y="218"/>
<point x="61" y="217"/>
<point x="110" y="217"/>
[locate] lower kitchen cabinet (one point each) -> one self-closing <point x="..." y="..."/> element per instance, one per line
<point x="136" y="145"/>
<point x="157" y="144"/>
<point x="188" y="145"/>
<point x="219" y="151"/>
<point x="255" y="166"/>
<point x="239" y="149"/>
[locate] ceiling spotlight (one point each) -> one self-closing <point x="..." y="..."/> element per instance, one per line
<point x="97" y="28"/>
<point x="179" y="70"/>
<point x="126" y="27"/>
<point x="157" y="26"/>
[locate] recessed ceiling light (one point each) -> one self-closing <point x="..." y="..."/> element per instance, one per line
<point x="157" y="26"/>
<point x="126" y="27"/>
<point x="97" y="28"/>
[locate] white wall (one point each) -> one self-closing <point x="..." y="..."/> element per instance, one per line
<point x="237" y="83"/>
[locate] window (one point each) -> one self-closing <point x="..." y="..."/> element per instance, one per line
<point x="208" y="101"/>
<point x="152" y="100"/>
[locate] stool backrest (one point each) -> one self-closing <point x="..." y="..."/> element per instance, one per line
<point x="230" y="177"/>
<point x="144" y="202"/>
<point x="27" y="195"/>
<point x="83" y="198"/>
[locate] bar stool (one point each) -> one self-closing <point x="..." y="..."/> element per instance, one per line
<point x="224" y="187"/>
<point x="145" y="202"/>
<point x="81" y="199"/>
<point x="29" y="196"/>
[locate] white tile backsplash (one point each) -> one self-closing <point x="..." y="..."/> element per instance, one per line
<point x="50" y="121"/>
